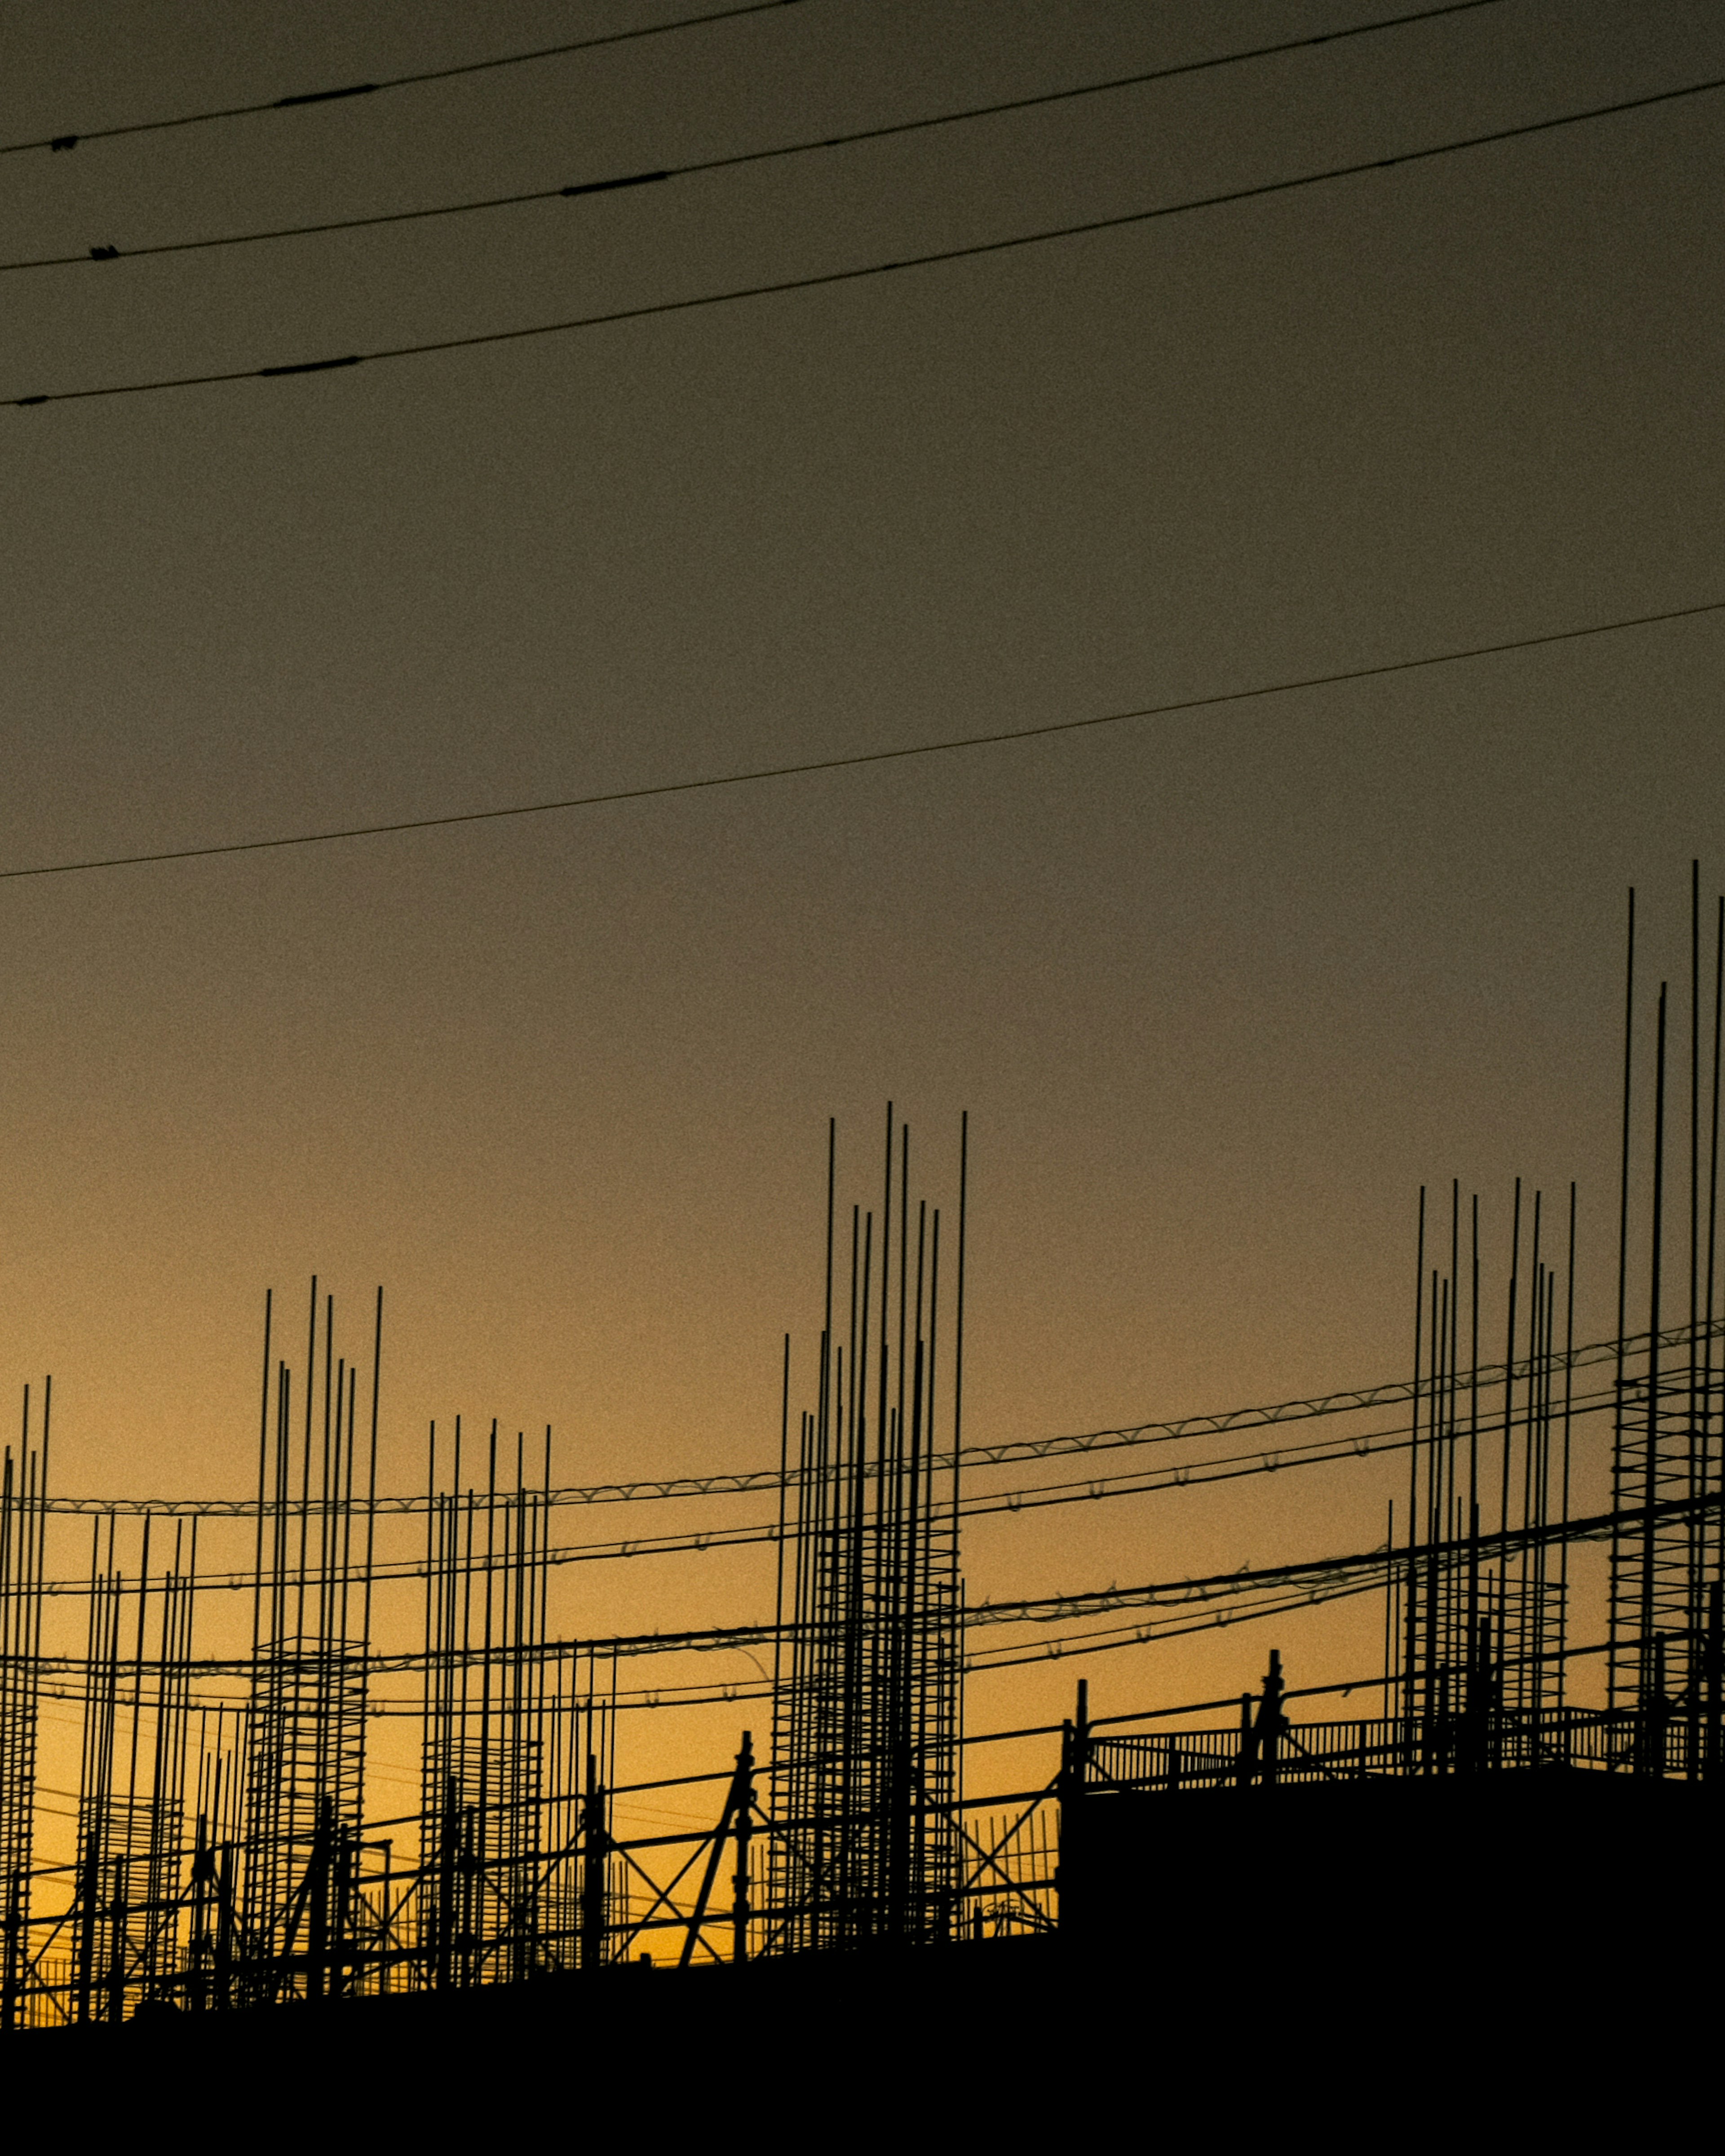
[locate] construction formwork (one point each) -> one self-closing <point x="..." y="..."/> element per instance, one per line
<point x="228" y="1848"/>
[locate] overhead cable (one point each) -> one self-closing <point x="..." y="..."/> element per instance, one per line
<point x="302" y="99"/>
<point x="1141" y="1482"/>
<point x="1298" y="1579"/>
<point x="618" y="182"/>
<point x="857" y="759"/>
<point x="819" y="281"/>
<point x="1217" y="1423"/>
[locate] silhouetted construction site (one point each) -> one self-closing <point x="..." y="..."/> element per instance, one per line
<point x="232" y="1666"/>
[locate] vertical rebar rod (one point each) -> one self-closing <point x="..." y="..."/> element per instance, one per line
<point x="1693" y="1600"/>
<point x="1620" y="1405"/>
<point x="1568" y="1396"/>
<point x="1473" y="1456"/>
<point x="1410" y="1612"/>
<point x="1509" y="1368"/>
<point x="1654" y="1284"/>
<point x="1708" y="1387"/>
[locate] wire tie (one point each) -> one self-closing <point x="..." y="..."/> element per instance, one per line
<point x="307" y="97"/>
<point x="104" y="254"/>
<point x="605" y="187"/>
<point x="312" y="366"/>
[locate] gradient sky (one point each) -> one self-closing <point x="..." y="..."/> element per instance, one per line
<point x="1219" y="991"/>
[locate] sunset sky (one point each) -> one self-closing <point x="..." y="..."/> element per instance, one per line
<point x="1219" y="990"/>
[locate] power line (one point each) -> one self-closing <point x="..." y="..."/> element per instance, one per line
<point x="1355" y="1400"/>
<point x="1177" y="1625"/>
<point x="825" y="279"/>
<point x="860" y="758"/>
<point x="1198" y="1474"/>
<point x="1176" y="1594"/>
<point x="91" y="255"/>
<point x="1097" y="1601"/>
<point x="307" y="97"/>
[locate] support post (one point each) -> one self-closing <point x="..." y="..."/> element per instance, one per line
<point x="1075" y="1763"/>
<point x="743" y="1828"/>
<point x="595" y="1848"/>
<point x="741" y="1792"/>
<point x="1259" y="1736"/>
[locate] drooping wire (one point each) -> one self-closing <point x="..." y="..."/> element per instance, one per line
<point x="860" y="758"/>
<point x="825" y="279"/>
<point x="1196" y="1474"/>
<point x="417" y="80"/>
<point x="851" y="139"/>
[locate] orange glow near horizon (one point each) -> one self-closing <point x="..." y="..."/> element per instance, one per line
<point x="1219" y="993"/>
